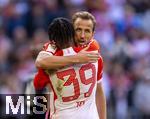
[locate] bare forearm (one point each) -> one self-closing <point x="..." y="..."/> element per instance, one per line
<point x="45" y="61"/>
<point x="54" y="62"/>
<point x="101" y="102"/>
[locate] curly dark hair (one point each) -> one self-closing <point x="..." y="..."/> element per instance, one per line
<point x="61" y="31"/>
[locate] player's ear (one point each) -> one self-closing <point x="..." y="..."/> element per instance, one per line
<point x="93" y="34"/>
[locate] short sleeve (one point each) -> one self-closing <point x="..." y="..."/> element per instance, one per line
<point x="50" y="48"/>
<point x="41" y="79"/>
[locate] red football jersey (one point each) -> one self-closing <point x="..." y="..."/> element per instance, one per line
<point x="41" y="79"/>
<point x="73" y="87"/>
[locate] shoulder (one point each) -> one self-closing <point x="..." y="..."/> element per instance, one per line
<point x="49" y="47"/>
<point x="93" y="45"/>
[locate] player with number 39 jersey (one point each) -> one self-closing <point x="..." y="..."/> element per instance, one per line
<point x="73" y="88"/>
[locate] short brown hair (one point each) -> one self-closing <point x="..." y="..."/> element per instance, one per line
<point x="84" y="15"/>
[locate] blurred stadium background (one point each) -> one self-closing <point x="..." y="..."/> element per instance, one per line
<point x="123" y="31"/>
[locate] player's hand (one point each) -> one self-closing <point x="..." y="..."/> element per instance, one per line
<point x="87" y="56"/>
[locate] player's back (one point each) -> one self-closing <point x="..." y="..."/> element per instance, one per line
<point x="74" y="89"/>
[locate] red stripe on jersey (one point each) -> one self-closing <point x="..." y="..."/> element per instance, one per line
<point x="100" y="68"/>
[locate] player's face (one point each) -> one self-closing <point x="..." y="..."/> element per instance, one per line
<point x="83" y="31"/>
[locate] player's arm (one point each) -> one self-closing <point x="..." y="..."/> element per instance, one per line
<point x="101" y="101"/>
<point x="40" y="81"/>
<point x="46" y="61"/>
<point x="100" y="96"/>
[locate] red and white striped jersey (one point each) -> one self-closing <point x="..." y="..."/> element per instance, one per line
<point x="73" y="87"/>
